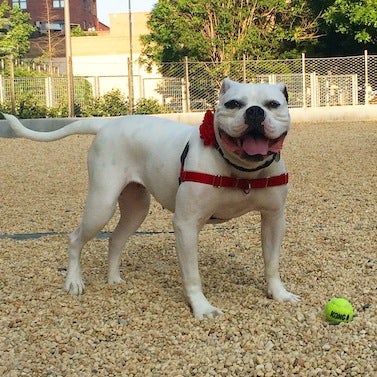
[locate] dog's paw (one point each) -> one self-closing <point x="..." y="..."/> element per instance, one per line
<point x="282" y="295"/>
<point x="115" y="280"/>
<point x="286" y="297"/>
<point x="74" y="287"/>
<point x="277" y="292"/>
<point x="201" y="308"/>
<point x="293" y="298"/>
<point x="209" y="312"/>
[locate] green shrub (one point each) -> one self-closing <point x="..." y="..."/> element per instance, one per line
<point x="113" y="103"/>
<point x="148" y="106"/>
<point x="6" y="108"/>
<point x="28" y="108"/>
<point x="77" y="32"/>
<point x="59" y="112"/>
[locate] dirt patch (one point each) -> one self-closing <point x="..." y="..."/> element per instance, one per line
<point x="143" y="327"/>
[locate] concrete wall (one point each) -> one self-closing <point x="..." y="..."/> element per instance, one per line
<point x="334" y="113"/>
<point x="319" y="114"/>
<point x="106" y="56"/>
<point x="117" y="40"/>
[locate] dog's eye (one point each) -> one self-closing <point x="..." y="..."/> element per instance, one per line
<point x="233" y="104"/>
<point x="272" y="104"/>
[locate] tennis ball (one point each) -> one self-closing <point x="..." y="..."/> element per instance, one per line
<point x="339" y="310"/>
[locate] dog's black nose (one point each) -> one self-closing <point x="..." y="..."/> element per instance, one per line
<point x="254" y="116"/>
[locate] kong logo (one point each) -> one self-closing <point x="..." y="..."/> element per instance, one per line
<point x="339" y="316"/>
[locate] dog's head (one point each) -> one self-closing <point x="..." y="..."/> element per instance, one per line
<point x="251" y="121"/>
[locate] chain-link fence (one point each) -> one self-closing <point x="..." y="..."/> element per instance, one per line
<point x="193" y="86"/>
<point x="311" y="82"/>
<point x="47" y="91"/>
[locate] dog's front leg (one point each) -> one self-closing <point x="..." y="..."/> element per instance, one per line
<point x="272" y="232"/>
<point x="187" y="227"/>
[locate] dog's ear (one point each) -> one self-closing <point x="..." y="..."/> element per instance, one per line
<point x="225" y="85"/>
<point x="283" y="89"/>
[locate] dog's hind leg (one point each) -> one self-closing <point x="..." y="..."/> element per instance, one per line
<point x="104" y="190"/>
<point x="134" y="204"/>
<point x="96" y="215"/>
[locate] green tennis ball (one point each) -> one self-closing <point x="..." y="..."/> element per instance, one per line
<point x="339" y="310"/>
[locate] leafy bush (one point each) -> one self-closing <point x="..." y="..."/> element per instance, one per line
<point x="113" y="103"/>
<point x="148" y="106"/>
<point x="28" y="108"/>
<point x="5" y="108"/>
<point x="59" y="112"/>
<point x="77" y="32"/>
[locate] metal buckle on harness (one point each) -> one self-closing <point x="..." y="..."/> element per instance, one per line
<point x="248" y="189"/>
<point x="217" y="181"/>
<point x="237" y="185"/>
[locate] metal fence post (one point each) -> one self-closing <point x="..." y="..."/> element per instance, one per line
<point x="355" y="98"/>
<point x="48" y="91"/>
<point x="303" y="80"/>
<point x="68" y="56"/>
<point x="313" y="89"/>
<point x="187" y="86"/>
<point x="366" y="84"/>
<point x="2" y="86"/>
<point x="272" y="79"/>
<point x="12" y="90"/>
<point x="244" y="68"/>
<point x="130" y="87"/>
<point x="96" y="87"/>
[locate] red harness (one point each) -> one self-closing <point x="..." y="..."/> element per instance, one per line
<point x="222" y="181"/>
<point x="244" y="184"/>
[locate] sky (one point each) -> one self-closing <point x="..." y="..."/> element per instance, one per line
<point x="104" y="7"/>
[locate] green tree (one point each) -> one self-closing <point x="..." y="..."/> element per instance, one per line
<point x="15" y="30"/>
<point x="225" y="30"/>
<point x="356" y="19"/>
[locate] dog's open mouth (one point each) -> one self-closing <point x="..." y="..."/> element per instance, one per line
<point x="255" y="146"/>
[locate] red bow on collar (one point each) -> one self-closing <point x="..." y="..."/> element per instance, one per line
<point x="207" y="129"/>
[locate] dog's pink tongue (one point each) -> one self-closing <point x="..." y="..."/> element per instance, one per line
<point x="255" y="146"/>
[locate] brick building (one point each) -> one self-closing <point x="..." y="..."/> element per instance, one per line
<point x="50" y="13"/>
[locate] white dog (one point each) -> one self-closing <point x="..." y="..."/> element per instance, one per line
<point x="228" y="166"/>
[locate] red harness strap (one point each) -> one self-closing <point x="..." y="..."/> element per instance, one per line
<point x="244" y="184"/>
<point x="220" y="181"/>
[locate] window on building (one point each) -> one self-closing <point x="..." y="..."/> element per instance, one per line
<point x="58" y="3"/>
<point x="22" y="4"/>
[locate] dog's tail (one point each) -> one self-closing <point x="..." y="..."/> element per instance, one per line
<point x="81" y="127"/>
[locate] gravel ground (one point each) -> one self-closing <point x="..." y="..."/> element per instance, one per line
<point x="143" y="327"/>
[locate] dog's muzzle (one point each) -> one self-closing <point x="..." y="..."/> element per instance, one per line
<point x="253" y="144"/>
